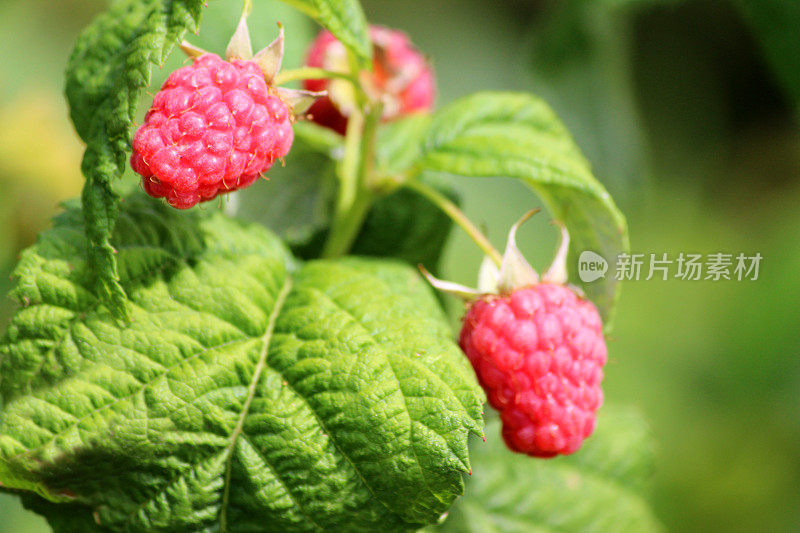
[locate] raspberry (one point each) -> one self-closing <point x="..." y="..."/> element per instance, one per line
<point x="214" y="127"/>
<point x="539" y="354"/>
<point x="537" y="348"/>
<point x="401" y="78"/>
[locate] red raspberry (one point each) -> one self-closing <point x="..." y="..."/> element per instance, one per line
<point x="214" y="127"/>
<point x="401" y="76"/>
<point x="539" y="354"/>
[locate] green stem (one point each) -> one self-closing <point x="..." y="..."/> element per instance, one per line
<point x="355" y="172"/>
<point x="310" y="73"/>
<point x="345" y="226"/>
<point x="458" y="216"/>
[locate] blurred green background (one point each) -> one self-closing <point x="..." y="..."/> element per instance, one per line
<point x="689" y="113"/>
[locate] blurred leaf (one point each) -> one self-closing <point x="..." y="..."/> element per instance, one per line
<point x="7" y="237"/>
<point x="517" y="135"/>
<point x="247" y="393"/>
<point x="319" y="138"/>
<point x="400" y="142"/>
<point x="776" y="27"/>
<point x="344" y="19"/>
<point x="596" y="489"/>
<point x="26" y="124"/>
<point x="109" y="66"/>
<point x="581" y="65"/>
<point x="407" y="226"/>
<point x="622" y="4"/>
<point x="34" y="181"/>
<point x="295" y="201"/>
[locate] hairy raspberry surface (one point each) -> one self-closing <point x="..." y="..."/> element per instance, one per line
<point x="214" y="127"/>
<point x="539" y="354"/>
<point x="400" y="71"/>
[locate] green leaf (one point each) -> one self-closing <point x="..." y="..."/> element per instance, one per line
<point x="107" y="69"/>
<point x="248" y="393"/>
<point x="518" y="135"/>
<point x="596" y="489"/>
<point x="345" y="20"/>
<point x="400" y="142"/>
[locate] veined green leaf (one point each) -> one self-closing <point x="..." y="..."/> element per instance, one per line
<point x="108" y="68"/>
<point x="599" y="488"/>
<point x="518" y="135"/>
<point x="248" y="393"/>
<point x="345" y="20"/>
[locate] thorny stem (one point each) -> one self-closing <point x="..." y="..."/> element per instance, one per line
<point x="458" y="216"/>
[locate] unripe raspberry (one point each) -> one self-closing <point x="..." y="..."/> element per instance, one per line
<point x="401" y="77"/>
<point x="539" y="354"/>
<point x="214" y="127"/>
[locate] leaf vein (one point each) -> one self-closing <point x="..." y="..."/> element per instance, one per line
<point x="251" y="392"/>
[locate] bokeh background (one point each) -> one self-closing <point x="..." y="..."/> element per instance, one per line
<point x="690" y="113"/>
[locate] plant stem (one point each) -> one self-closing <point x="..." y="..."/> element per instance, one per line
<point x="355" y="196"/>
<point x="345" y="226"/>
<point x="458" y="216"/>
<point x="310" y="73"/>
<point x="356" y="170"/>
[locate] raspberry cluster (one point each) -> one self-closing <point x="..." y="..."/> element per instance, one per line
<point x="214" y="127"/>
<point x="401" y="76"/>
<point x="539" y="354"/>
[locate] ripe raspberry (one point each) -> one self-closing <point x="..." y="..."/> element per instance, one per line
<point x="214" y="127"/>
<point x="539" y="354"/>
<point x="401" y="76"/>
<point x="536" y="346"/>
